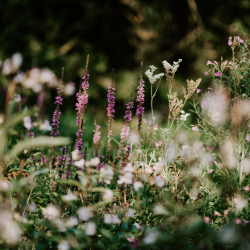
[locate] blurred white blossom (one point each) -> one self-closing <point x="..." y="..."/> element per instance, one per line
<point x="90" y="228"/>
<point x="85" y="213"/>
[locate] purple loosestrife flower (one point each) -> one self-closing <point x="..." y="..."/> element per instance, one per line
<point x="82" y="100"/>
<point x="126" y="129"/>
<point x="97" y="136"/>
<point x="57" y="113"/>
<point x="43" y="160"/>
<point x="140" y="100"/>
<point x="110" y="111"/>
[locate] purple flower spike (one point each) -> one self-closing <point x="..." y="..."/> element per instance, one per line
<point x="43" y="160"/>
<point x="82" y="100"/>
<point x="110" y="111"/>
<point x="140" y="100"/>
<point x="57" y="113"/>
<point x="126" y="129"/>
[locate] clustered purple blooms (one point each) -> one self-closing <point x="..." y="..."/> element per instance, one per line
<point x="31" y="134"/>
<point x="128" y="118"/>
<point x="110" y="112"/>
<point x="57" y="113"/>
<point x="128" y="112"/>
<point x="82" y="100"/>
<point x="43" y="160"/>
<point x="111" y="102"/>
<point x="140" y="100"/>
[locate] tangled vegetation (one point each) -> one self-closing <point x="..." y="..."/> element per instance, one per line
<point x="161" y="188"/>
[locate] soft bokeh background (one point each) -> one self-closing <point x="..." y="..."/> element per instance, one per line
<point x="116" y="34"/>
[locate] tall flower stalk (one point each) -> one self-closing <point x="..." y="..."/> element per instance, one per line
<point x="110" y="112"/>
<point x="57" y="112"/>
<point x="126" y="129"/>
<point x="140" y="101"/>
<point x="82" y="100"/>
<point x="97" y="136"/>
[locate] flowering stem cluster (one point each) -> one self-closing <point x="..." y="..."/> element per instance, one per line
<point x="82" y="100"/>
<point x="126" y="129"/>
<point x="140" y="101"/>
<point x="110" y="112"/>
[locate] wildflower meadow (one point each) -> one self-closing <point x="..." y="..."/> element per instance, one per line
<point x="181" y="185"/>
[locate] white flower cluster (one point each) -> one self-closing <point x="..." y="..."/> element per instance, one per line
<point x="184" y="115"/>
<point x="127" y="176"/>
<point x="172" y="68"/>
<point x="152" y="78"/>
<point x="106" y="174"/>
<point x="108" y="219"/>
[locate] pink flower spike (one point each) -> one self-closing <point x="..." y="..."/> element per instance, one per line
<point x="155" y="127"/>
<point x="217" y="213"/>
<point x="209" y="62"/>
<point x="206" y="219"/>
<point x="238" y="221"/>
<point x="218" y="73"/>
<point x="198" y="91"/>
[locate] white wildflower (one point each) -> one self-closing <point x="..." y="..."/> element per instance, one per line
<point x="75" y="154"/>
<point x="129" y="168"/>
<point x="16" y="60"/>
<point x="158" y="181"/>
<point x="69" y="197"/>
<point x="71" y="222"/>
<point x="51" y="212"/>
<point x="159" y="209"/>
<point x="108" y="195"/>
<point x="106" y="173"/>
<point x="150" y="238"/>
<point x="64" y="245"/>
<point x="80" y="163"/>
<point x="116" y="220"/>
<point x="27" y="122"/>
<point x="85" y="213"/>
<point x="183" y="116"/>
<point x="108" y="218"/>
<point x="126" y="178"/>
<point x="90" y="228"/>
<point x="69" y="88"/>
<point x="45" y="126"/>
<point x="130" y="212"/>
<point x="137" y="185"/>
<point x="153" y="68"/>
<point x="152" y="78"/>
<point x="166" y="65"/>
